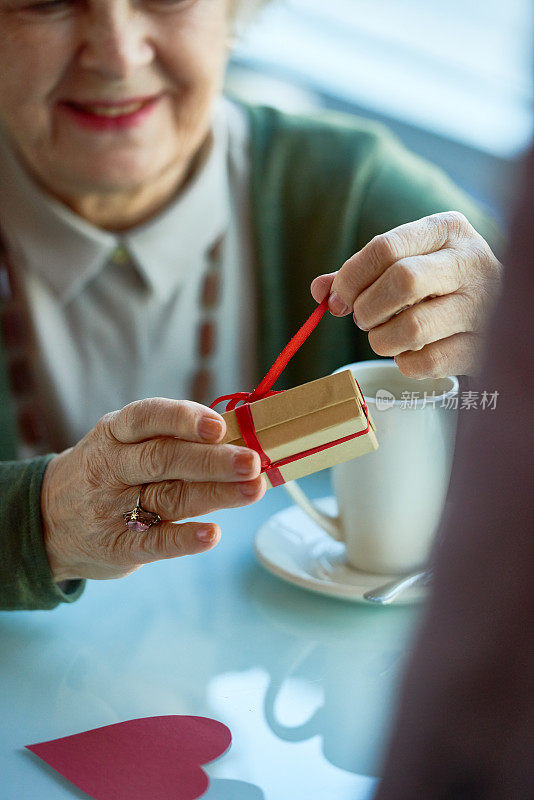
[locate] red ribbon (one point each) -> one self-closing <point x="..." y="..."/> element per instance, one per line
<point x="248" y="431"/>
<point x="244" y="414"/>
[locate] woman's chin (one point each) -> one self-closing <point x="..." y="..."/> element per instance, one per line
<point x="111" y="175"/>
<point x="115" y="194"/>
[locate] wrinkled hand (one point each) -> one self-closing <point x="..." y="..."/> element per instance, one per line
<point x="424" y="291"/>
<point x="157" y="442"/>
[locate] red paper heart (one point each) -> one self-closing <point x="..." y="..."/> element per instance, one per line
<point x="158" y="758"/>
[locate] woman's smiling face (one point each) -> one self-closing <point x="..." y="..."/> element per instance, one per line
<point x="105" y="95"/>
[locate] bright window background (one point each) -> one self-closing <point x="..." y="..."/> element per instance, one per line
<point x="453" y="79"/>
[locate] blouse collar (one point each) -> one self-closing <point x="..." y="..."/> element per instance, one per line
<point x="68" y="252"/>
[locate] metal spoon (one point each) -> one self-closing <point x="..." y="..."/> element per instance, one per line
<point x="389" y="591"/>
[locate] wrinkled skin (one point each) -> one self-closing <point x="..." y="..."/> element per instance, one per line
<point x="156" y="442"/>
<point x="53" y="53"/>
<point x="424" y="292"/>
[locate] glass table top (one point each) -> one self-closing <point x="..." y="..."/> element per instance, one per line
<point x="305" y="683"/>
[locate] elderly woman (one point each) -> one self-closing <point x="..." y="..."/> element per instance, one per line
<point x="159" y="241"/>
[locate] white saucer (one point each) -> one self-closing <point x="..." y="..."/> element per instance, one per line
<point x="293" y="547"/>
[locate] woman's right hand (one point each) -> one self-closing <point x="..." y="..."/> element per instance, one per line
<point x="169" y="445"/>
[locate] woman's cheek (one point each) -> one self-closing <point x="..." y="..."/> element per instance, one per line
<point x="32" y="64"/>
<point x="194" y="53"/>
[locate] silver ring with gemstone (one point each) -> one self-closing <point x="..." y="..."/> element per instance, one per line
<point x="139" y="519"/>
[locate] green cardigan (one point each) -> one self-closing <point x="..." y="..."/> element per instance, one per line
<point x="321" y="187"/>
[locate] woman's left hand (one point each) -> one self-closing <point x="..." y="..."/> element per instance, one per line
<point x="424" y="291"/>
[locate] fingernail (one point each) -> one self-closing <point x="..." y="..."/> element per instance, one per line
<point x="243" y="463"/>
<point x="337" y="306"/>
<point x="209" y="428"/>
<point x="205" y="534"/>
<point x="248" y="489"/>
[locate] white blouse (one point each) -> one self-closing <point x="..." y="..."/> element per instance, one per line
<point x="116" y="315"/>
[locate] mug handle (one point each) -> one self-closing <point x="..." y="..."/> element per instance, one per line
<point x="291" y="733"/>
<point x="329" y="523"/>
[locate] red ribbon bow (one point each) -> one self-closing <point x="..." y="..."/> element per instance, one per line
<point x="244" y="414"/>
<point x="264" y="387"/>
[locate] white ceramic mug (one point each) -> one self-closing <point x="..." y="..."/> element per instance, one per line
<point x="390" y="501"/>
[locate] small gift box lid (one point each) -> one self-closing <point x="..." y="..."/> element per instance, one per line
<point x="305" y="417"/>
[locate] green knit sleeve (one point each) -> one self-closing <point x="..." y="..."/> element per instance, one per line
<point x="25" y="578"/>
<point x="402" y="187"/>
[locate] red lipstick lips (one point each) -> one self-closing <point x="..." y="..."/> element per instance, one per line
<point x="110" y="115"/>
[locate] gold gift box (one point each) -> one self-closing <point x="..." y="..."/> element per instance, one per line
<point x="305" y="417"/>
